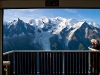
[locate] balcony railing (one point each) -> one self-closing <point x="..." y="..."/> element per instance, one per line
<point x="53" y="62"/>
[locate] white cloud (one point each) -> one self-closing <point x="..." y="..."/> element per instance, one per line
<point x="25" y="16"/>
<point x="84" y="18"/>
<point x="80" y="16"/>
<point x="41" y="17"/>
<point x="25" y="19"/>
<point x="71" y="10"/>
<point x="87" y="19"/>
<point x="24" y="10"/>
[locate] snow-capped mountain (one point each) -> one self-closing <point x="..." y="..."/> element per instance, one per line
<point x="49" y="34"/>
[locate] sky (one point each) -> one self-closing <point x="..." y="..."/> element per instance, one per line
<point x="88" y="15"/>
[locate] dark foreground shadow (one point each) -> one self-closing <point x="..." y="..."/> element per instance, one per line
<point x="59" y="74"/>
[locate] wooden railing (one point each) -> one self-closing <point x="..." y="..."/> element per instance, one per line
<point x="56" y="61"/>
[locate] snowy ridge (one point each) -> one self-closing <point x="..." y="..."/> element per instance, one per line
<point x="96" y="31"/>
<point x="94" y="24"/>
<point x="14" y="22"/>
<point x="58" y="24"/>
<point x="46" y="20"/>
<point x="51" y="26"/>
<point x="76" y="26"/>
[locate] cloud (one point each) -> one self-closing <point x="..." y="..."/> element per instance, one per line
<point x="71" y="10"/>
<point x="80" y="16"/>
<point x="30" y="10"/>
<point x="41" y="17"/>
<point x="87" y="19"/>
<point x="26" y="19"/>
<point x="23" y="14"/>
<point x="84" y="18"/>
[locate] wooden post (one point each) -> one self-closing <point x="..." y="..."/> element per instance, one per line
<point x="6" y="63"/>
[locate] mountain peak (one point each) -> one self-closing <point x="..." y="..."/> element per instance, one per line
<point x="32" y="21"/>
<point x="45" y="20"/>
<point x="46" y="32"/>
<point x="94" y="24"/>
<point x="60" y="19"/>
<point x="73" y="20"/>
<point x="18" y="19"/>
<point x="56" y="24"/>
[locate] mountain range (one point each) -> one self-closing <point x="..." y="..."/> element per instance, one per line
<point x="49" y="34"/>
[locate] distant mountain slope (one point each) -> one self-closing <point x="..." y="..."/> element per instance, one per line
<point x="49" y="34"/>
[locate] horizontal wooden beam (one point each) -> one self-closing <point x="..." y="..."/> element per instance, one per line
<point x="41" y="4"/>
